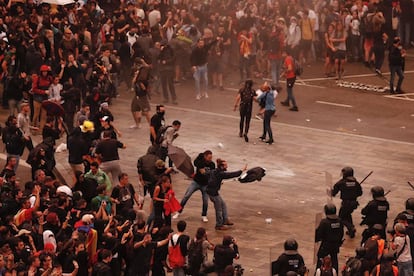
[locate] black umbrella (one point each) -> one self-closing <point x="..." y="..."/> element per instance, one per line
<point x="252" y="175"/>
<point x="53" y="109"/>
<point x="181" y="160"/>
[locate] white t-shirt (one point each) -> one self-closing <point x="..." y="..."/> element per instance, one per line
<point x="405" y="255"/>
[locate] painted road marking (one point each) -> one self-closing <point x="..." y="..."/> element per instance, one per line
<point x="334" y="104"/>
<point x="353" y="76"/>
<point x="293" y="126"/>
<point x="299" y="82"/>
<point x="405" y="97"/>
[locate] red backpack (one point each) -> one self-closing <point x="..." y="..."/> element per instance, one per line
<point x="175" y="256"/>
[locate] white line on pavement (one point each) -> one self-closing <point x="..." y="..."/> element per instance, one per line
<point x="334" y="104"/>
<point x="353" y="76"/>
<point x="300" y="82"/>
<point x="295" y="126"/>
<point x="401" y="97"/>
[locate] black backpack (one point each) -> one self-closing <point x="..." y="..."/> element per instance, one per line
<point x="352" y="267"/>
<point x="195" y="255"/>
<point x="161" y="134"/>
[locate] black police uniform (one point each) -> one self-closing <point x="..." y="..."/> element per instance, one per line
<point x="350" y="190"/>
<point x="375" y="212"/>
<point x="288" y="261"/>
<point x="330" y="232"/>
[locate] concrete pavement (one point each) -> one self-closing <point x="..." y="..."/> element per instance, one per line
<point x="293" y="190"/>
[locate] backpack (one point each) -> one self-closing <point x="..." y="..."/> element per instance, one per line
<point x="161" y="134"/>
<point x="246" y="96"/>
<point x="262" y="102"/>
<point x="274" y="43"/>
<point x="326" y="272"/>
<point x="371" y="247"/>
<point x="352" y="267"/>
<point x="175" y="257"/>
<point x="298" y="67"/>
<point x="195" y="255"/>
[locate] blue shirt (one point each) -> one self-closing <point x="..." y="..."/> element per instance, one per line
<point x="270" y="99"/>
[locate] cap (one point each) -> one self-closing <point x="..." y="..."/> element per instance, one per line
<point x="281" y="19"/>
<point x="105" y="118"/>
<point x="87" y="218"/>
<point x="87" y="126"/>
<point x="104" y="104"/>
<point x="44" y="68"/>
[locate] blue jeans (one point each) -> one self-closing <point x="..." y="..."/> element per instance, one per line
<point x="201" y="74"/>
<point x="275" y="64"/>
<point x="396" y="69"/>
<point x="267" y="129"/>
<point x="289" y="89"/>
<point x="405" y="268"/>
<point x="221" y="210"/>
<point x="194" y="186"/>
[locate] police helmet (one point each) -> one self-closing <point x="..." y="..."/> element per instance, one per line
<point x="291" y="244"/>
<point x="330" y="209"/>
<point x="347" y="171"/>
<point x="409" y="204"/>
<point x="377" y="191"/>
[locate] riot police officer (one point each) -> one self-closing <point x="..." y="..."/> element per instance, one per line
<point x="408" y="212"/>
<point x="350" y="190"/>
<point x="290" y="260"/>
<point x="330" y="233"/>
<point x="375" y="212"/>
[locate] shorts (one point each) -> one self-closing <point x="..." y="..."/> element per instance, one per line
<point x="340" y="54"/>
<point x="140" y="104"/>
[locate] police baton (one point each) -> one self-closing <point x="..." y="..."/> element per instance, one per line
<point x="389" y="191"/>
<point x="411" y="185"/>
<point x="366" y="177"/>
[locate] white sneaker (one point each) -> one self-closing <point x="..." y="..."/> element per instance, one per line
<point x="206" y="95"/>
<point x="204" y="218"/>
<point x="133" y="126"/>
<point x="198" y="97"/>
<point x="176" y="215"/>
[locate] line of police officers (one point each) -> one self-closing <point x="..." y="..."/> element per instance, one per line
<point x="330" y="230"/>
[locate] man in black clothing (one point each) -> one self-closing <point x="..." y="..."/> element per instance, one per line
<point x="157" y="121"/>
<point x="166" y="64"/>
<point x="330" y="233"/>
<point x="225" y="253"/>
<point x="107" y="150"/>
<point x="215" y="180"/>
<point x="375" y="212"/>
<point x="350" y="190"/>
<point x="245" y="98"/>
<point x="396" y="63"/>
<point x="200" y="181"/>
<point x="198" y="61"/>
<point x="103" y="268"/>
<point x="290" y="260"/>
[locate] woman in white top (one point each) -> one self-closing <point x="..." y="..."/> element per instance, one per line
<point x="401" y="245"/>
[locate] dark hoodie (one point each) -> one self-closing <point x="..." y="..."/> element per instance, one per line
<point x="201" y="163"/>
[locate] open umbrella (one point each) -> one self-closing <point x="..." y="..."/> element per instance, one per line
<point x="58" y="2"/>
<point x="256" y="173"/>
<point x="181" y="160"/>
<point x="53" y="109"/>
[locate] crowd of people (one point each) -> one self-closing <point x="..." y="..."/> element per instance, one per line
<point x="62" y="66"/>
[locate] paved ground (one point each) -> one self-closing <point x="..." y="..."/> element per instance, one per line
<point x="335" y="127"/>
